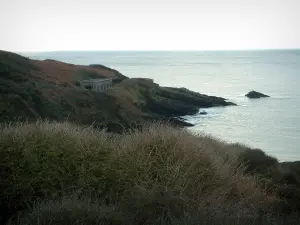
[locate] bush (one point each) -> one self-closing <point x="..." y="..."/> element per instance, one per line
<point x="157" y="175"/>
<point x="45" y="159"/>
<point x="70" y="211"/>
<point x="291" y="197"/>
<point x="258" y="162"/>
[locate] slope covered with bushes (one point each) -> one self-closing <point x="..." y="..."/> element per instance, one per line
<point x="61" y="173"/>
<point x="34" y="89"/>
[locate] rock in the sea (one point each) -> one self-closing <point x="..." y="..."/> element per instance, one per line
<point x="203" y="113"/>
<point x="255" y="94"/>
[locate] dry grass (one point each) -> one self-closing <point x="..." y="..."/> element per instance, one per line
<point x="157" y="175"/>
<point x="59" y="72"/>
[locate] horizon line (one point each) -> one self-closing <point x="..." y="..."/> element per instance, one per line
<point x="159" y="50"/>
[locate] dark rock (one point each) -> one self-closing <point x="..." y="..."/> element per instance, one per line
<point x="179" y="122"/>
<point x="194" y="98"/>
<point x="255" y="94"/>
<point x="203" y="113"/>
<point x="166" y="102"/>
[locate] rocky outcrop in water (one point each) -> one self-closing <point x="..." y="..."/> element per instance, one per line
<point x="255" y="94"/>
<point x="203" y="113"/>
<point x="164" y="102"/>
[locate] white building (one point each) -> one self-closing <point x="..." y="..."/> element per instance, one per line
<point x="98" y="85"/>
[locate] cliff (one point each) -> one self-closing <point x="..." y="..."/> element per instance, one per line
<point x="33" y="89"/>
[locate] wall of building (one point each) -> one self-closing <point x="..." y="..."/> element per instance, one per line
<point x="97" y="85"/>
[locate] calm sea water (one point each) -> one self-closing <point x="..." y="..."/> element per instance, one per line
<point x="272" y="124"/>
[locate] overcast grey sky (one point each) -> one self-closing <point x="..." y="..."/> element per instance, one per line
<point x="39" y="25"/>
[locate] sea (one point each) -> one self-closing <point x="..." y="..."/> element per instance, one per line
<point x="271" y="124"/>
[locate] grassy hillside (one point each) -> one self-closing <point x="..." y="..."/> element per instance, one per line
<point x="33" y="89"/>
<point x="61" y="173"/>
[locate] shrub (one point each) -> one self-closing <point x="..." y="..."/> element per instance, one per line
<point x="156" y="175"/>
<point x="70" y="211"/>
<point x="291" y="196"/>
<point x="45" y="159"/>
<point x="257" y="161"/>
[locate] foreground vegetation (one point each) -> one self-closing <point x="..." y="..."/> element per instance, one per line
<point x="61" y="173"/>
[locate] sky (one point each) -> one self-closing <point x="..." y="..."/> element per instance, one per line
<point x="61" y="25"/>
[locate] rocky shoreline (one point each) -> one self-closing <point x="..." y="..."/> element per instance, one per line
<point x="35" y="89"/>
<point x="31" y="90"/>
<point x="165" y="103"/>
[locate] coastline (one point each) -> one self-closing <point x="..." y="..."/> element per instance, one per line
<point x="138" y="158"/>
<point x="47" y="89"/>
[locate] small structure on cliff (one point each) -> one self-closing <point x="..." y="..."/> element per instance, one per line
<point x="98" y="85"/>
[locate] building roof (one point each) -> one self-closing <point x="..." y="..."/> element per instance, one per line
<point x="95" y="80"/>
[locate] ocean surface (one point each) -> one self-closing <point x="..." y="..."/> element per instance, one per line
<point x="272" y="124"/>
